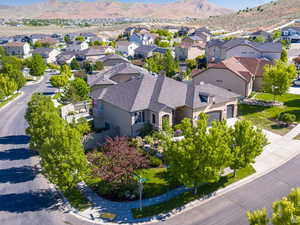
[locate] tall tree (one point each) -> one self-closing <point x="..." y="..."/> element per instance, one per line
<point x="246" y="144"/>
<point x="59" y="81"/>
<point x="37" y="65"/>
<point x="278" y="78"/>
<point x="77" y="90"/>
<point x="14" y="74"/>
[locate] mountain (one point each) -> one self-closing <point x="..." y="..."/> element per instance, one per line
<point x="115" y="9"/>
<point x="266" y="16"/>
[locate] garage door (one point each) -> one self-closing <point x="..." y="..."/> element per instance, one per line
<point x="230" y="111"/>
<point x="214" y="116"/>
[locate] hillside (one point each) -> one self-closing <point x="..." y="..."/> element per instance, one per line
<point x="115" y="9"/>
<point x="263" y="17"/>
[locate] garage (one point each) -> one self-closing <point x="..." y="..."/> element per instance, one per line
<point x="214" y="116"/>
<point x="230" y="111"/>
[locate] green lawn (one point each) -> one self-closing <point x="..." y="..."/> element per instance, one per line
<point x="159" y="182"/>
<point x="189" y="196"/>
<point x="9" y="99"/>
<point x="297" y="137"/>
<point x="264" y="116"/>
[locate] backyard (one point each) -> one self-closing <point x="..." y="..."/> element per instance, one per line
<point x="266" y="117"/>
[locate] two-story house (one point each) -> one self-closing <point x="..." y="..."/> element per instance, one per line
<point x="291" y="34"/>
<point x="141" y="39"/>
<point x="20" y="49"/>
<point x="126" y="48"/>
<point x="48" y="54"/>
<point x="218" y="50"/>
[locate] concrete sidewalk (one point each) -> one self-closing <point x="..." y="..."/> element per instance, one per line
<point x="280" y="150"/>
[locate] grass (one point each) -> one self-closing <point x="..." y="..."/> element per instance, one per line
<point x="77" y="200"/>
<point x="57" y="95"/>
<point x="3" y="103"/>
<point x="297" y="137"/>
<point x="159" y="182"/>
<point x="264" y="117"/>
<point x="189" y="196"/>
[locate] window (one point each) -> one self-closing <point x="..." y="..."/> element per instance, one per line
<point x="139" y="117"/>
<point x="153" y="118"/>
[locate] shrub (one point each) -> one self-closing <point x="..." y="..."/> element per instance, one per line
<point x="154" y="161"/>
<point x="287" y="118"/>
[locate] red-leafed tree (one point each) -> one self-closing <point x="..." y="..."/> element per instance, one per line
<point x="117" y="161"/>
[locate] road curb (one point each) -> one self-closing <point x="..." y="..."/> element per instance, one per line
<point x="13" y="100"/>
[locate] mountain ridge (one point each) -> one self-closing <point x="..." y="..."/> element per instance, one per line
<point x="115" y="9"/>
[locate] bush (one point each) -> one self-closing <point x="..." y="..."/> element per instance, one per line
<point x="287" y="118"/>
<point x="154" y="161"/>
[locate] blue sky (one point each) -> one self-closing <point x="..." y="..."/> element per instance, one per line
<point x="235" y="4"/>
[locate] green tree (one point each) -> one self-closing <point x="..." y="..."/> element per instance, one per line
<point x="77" y="90"/>
<point x="246" y="144"/>
<point x="75" y="64"/>
<point x="37" y="44"/>
<point x="259" y="39"/>
<point x="277" y="79"/>
<point x="67" y="39"/>
<point x="284" y="56"/>
<point x="258" y="217"/>
<point x="171" y="65"/>
<point x="88" y="67"/>
<point x="14" y="74"/>
<point x="66" y="70"/>
<point x="2" y="51"/>
<point x="37" y="65"/>
<point x="79" y="38"/>
<point x="7" y="86"/>
<point x="276" y="34"/>
<point x="112" y="44"/>
<point x="59" y="81"/>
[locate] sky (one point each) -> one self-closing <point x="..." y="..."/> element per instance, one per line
<point x="234" y="4"/>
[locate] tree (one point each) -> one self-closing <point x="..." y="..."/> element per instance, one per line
<point x="75" y="64"/>
<point x="77" y="90"/>
<point x="277" y="79"/>
<point x="246" y="144"/>
<point x="284" y="56"/>
<point x="200" y="156"/>
<point x="7" y="86"/>
<point x="14" y="74"/>
<point x="285" y="211"/>
<point x="67" y="39"/>
<point x="79" y="38"/>
<point x="37" y="65"/>
<point x="99" y="65"/>
<point x="66" y="70"/>
<point x="112" y="44"/>
<point x="259" y="39"/>
<point x="59" y="145"/>
<point x="88" y="67"/>
<point x="59" y="81"/>
<point x="2" y="51"/>
<point x="117" y="162"/>
<point x="276" y="34"/>
<point x="171" y="64"/>
<point x="37" y="44"/>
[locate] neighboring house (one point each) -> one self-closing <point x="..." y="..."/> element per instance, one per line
<point x="126" y="48"/>
<point x="189" y="51"/>
<point x="142" y="39"/>
<point x="291" y="34"/>
<point x="21" y="49"/>
<point x="48" y="54"/>
<point x="171" y="29"/>
<point x="192" y="40"/>
<point x="95" y="52"/>
<point x="49" y="41"/>
<point x="65" y="58"/>
<point x="147" y="99"/>
<point x="218" y="50"/>
<point x="238" y="74"/>
<point x="183" y="31"/>
<point x="144" y="51"/>
<point x="119" y="73"/>
<point x="88" y="36"/>
<point x="261" y="33"/>
<point x="21" y="38"/>
<point x="129" y="31"/>
<point x="37" y="37"/>
<point x="112" y="60"/>
<point x="77" y="47"/>
<point x="4" y="40"/>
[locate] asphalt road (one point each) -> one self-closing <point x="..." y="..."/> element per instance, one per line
<point x="25" y="197"/>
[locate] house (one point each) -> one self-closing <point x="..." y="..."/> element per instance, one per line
<point x="189" y="51"/>
<point x="171" y="29"/>
<point x="48" y="54"/>
<point x="126" y="48"/>
<point x="112" y="60"/>
<point x="291" y="34"/>
<point x="261" y="33"/>
<point x="238" y="74"/>
<point x="202" y="33"/>
<point x="38" y="37"/>
<point x="192" y="40"/>
<point x="76" y="47"/>
<point x="95" y="52"/>
<point x="21" y="38"/>
<point x="21" y="49"/>
<point x="183" y="31"/>
<point x="147" y="99"/>
<point x="218" y="50"/>
<point x="49" y="41"/>
<point x="117" y="74"/>
<point x="144" y="51"/>
<point x="142" y="39"/>
<point x="65" y="57"/>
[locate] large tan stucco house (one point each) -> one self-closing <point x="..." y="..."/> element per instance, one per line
<point x="129" y="104"/>
<point x="241" y="75"/>
<point x="218" y="50"/>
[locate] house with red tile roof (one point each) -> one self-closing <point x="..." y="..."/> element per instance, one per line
<point x="241" y="75"/>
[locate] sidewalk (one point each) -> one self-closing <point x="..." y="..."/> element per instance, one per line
<point x="280" y="150"/>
